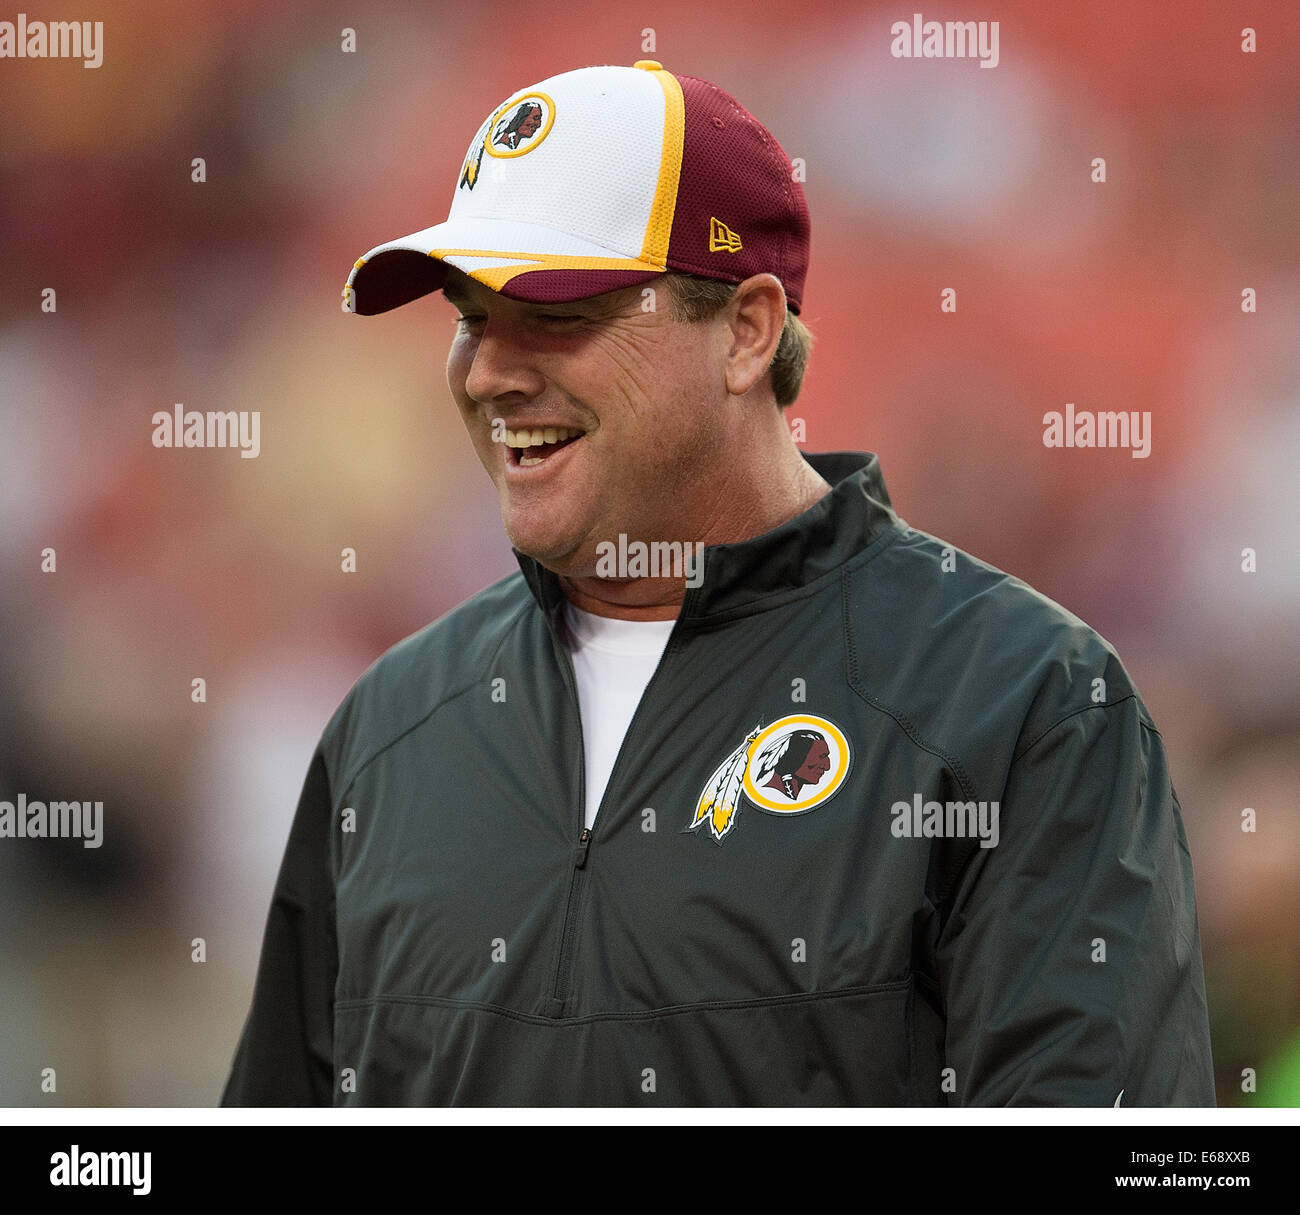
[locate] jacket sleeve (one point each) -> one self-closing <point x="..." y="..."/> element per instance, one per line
<point x="285" y="1054"/>
<point x="1070" y="961"/>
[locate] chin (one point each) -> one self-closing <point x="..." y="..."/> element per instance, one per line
<point x="558" y="553"/>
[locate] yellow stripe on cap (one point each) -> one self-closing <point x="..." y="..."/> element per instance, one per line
<point x="497" y="277"/>
<point x="654" y="249"/>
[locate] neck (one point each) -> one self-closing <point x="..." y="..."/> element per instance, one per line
<point x="771" y="496"/>
<point x="621" y="601"/>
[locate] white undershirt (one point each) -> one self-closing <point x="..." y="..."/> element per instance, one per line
<point x="613" y="661"/>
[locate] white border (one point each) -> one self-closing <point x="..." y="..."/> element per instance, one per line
<point x="668" y="1116"/>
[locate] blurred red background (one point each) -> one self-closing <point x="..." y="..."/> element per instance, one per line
<point x="921" y="175"/>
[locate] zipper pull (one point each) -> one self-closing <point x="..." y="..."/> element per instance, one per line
<point x="580" y="859"/>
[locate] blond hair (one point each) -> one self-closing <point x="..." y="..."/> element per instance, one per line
<point x="693" y="298"/>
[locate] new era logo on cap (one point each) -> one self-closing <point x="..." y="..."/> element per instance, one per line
<point x="722" y="238"/>
<point x="603" y="178"/>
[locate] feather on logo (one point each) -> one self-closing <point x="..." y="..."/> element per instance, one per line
<point x="720" y="800"/>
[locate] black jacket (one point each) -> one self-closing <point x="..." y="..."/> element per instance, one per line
<point x="888" y="828"/>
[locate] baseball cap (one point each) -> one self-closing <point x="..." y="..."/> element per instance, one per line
<point x="603" y="178"/>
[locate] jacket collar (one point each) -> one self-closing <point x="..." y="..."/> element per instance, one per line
<point x="738" y="576"/>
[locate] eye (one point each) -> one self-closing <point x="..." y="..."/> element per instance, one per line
<point x="468" y="320"/>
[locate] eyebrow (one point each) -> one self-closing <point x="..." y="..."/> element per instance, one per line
<point x="455" y="294"/>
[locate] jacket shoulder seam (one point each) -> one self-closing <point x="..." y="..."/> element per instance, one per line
<point x="903" y="722"/>
<point x="1149" y="726"/>
<point x="1042" y="734"/>
<point x="345" y="785"/>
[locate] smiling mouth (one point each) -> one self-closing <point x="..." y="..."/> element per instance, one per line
<point x="528" y="448"/>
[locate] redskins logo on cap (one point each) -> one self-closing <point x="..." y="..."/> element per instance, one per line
<point x="790" y="767"/>
<point x="514" y="129"/>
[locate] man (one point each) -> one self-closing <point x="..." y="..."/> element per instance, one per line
<point x="853" y="818"/>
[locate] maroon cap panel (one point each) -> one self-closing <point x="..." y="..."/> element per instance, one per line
<point x="735" y="172"/>
<point x="564" y="286"/>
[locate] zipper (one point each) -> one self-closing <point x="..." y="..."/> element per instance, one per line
<point x="569" y="930"/>
<point x="564" y="971"/>
<point x="564" y="965"/>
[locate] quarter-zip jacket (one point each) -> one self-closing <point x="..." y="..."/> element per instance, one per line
<point x="445" y="932"/>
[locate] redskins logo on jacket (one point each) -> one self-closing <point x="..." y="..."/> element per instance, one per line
<point x="790" y="767"/>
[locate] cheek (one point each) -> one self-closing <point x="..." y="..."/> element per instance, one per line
<point x="459" y="361"/>
<point x="665" y="384"/>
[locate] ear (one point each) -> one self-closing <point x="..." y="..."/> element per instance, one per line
<point x="754" y="317"/>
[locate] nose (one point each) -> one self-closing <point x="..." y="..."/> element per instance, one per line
<point x="502" y="364"/>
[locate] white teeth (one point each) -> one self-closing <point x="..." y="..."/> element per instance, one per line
<point x="536" y="436"/>
<point x="527" y="461"/>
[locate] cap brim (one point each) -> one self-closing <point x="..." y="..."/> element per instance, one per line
<point x="520" y="260"/>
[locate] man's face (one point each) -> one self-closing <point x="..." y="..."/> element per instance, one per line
<point x="646" y="394"/>
<point x="816" y="765"/>
<point x="532" y="120"/>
